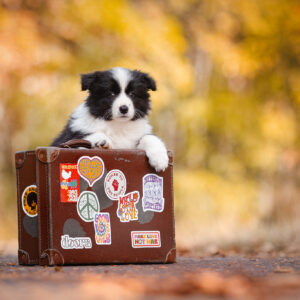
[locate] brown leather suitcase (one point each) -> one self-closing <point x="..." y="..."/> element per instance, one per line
<point x="27" y="208"/>
<point x="103" y="206"/>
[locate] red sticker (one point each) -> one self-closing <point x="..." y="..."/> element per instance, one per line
<point x="69" y="183"/>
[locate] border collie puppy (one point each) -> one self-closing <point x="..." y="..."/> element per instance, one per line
<point x="114" y="115"/>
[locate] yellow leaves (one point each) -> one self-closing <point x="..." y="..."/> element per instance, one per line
<point x="191" y="110"/>
<point x="278" y="124"/>
<point x="231" y="198"/>
<point x="264" y="156"/>
<point x="278" y="132"/>
<point x="206" y="203"/>
<point x="17" y="37"/>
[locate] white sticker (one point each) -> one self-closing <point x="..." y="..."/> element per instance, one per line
<point x="126" y="207"/>
<point x="115" y="184"/>
<point x="87" y="206"/>
<point x="75" y="243"/>
<point x="145" y="239"/>
<point x="153" y="193"/>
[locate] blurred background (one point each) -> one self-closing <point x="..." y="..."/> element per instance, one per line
<point x="228" y="103"/>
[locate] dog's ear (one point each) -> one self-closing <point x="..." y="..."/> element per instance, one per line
<point x="87" y="80"/>
<point x="146" y="78"/>
<point x="151" y="84"/>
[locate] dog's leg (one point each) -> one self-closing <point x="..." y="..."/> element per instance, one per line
<point x="100" y="140"/>
<point x="155" y="150"/>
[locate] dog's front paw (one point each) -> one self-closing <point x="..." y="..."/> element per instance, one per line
<point x="158" y="160"/>
<point x="105" y="143"/>
<point x="100" y="140"/>
<point x="155" y="150"/>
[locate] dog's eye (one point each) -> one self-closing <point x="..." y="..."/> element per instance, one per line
<point x="112" y="94"/>
<point x="131" y="94"/>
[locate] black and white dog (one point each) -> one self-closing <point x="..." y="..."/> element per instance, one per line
<point x="114" y="115"/>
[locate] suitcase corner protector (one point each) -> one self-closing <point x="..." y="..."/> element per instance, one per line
<point x="171" y="158"/>
<point x="20" y="159"/>
<point x="51" y="257"/>
<point x="24" y="258"/>
<point x="47" y="155"/>
<point x="171" y="256"/>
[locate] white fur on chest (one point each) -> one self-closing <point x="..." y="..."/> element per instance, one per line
<point x="123" y="134"/>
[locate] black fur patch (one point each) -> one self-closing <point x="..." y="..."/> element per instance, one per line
<point x="145" y="79"/>
<point x="66" y="135"/>
<point x="103" y="91"/>
<point x="137" y="90"/>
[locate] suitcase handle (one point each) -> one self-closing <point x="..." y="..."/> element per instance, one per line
<point x="76" y="143"/>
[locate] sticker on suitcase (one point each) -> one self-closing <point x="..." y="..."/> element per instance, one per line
<point x="68" y="242"/>
<point x="127" y="210"/>
<point x="69" y="183"/>
<point x="91" y="169"/>
<point x="29" y="201"/>
<point x="102" y="229"/>
<point x="153" y="193"/>
<point x="87" y="206"/>
<point x="145" y="239"/>
<point x="115" y="184"/>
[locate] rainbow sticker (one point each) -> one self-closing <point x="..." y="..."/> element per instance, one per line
<point x="102" y="229"/>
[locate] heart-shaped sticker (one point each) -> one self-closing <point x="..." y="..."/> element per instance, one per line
<point x="90" y="169"/>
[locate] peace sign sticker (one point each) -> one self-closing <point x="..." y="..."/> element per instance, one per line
<point x="88" y="206"/>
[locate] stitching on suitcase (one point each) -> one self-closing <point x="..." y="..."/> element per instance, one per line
<point x="172" y="195"/>
<point x="39" y="205"/>
<point x="49" y="207"/>
<point x="18" y="202"/>
<point x="31" y="261"/>
<point x="44" y="167"/>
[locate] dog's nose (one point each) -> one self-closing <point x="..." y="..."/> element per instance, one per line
<point x="123" y="109"/>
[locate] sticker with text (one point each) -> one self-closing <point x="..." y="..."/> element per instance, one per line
<point x="29" y="201"/>
<point x="102" y="229"/>
<point x="69" y="183"/>
<point x="126" y="207"/>
<point x="91" y="169"/>
<point x="115" y="184"/>
<point x="145" y="239"/>
<point x="67" y="242"/>
<point x="153" y="193"/>
<point x="87" y="206"/>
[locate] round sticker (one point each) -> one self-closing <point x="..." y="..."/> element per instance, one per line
<point x="87" y="206"/>
<point x="29" y="201"/>
<point x="115" y="184"/>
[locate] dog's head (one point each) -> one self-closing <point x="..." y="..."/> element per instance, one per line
<point x="118" y="94"/>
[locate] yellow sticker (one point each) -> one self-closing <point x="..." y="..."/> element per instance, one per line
<point x="29" y="201"/>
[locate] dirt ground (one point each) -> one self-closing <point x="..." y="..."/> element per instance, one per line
<point x="215" y="276"/>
